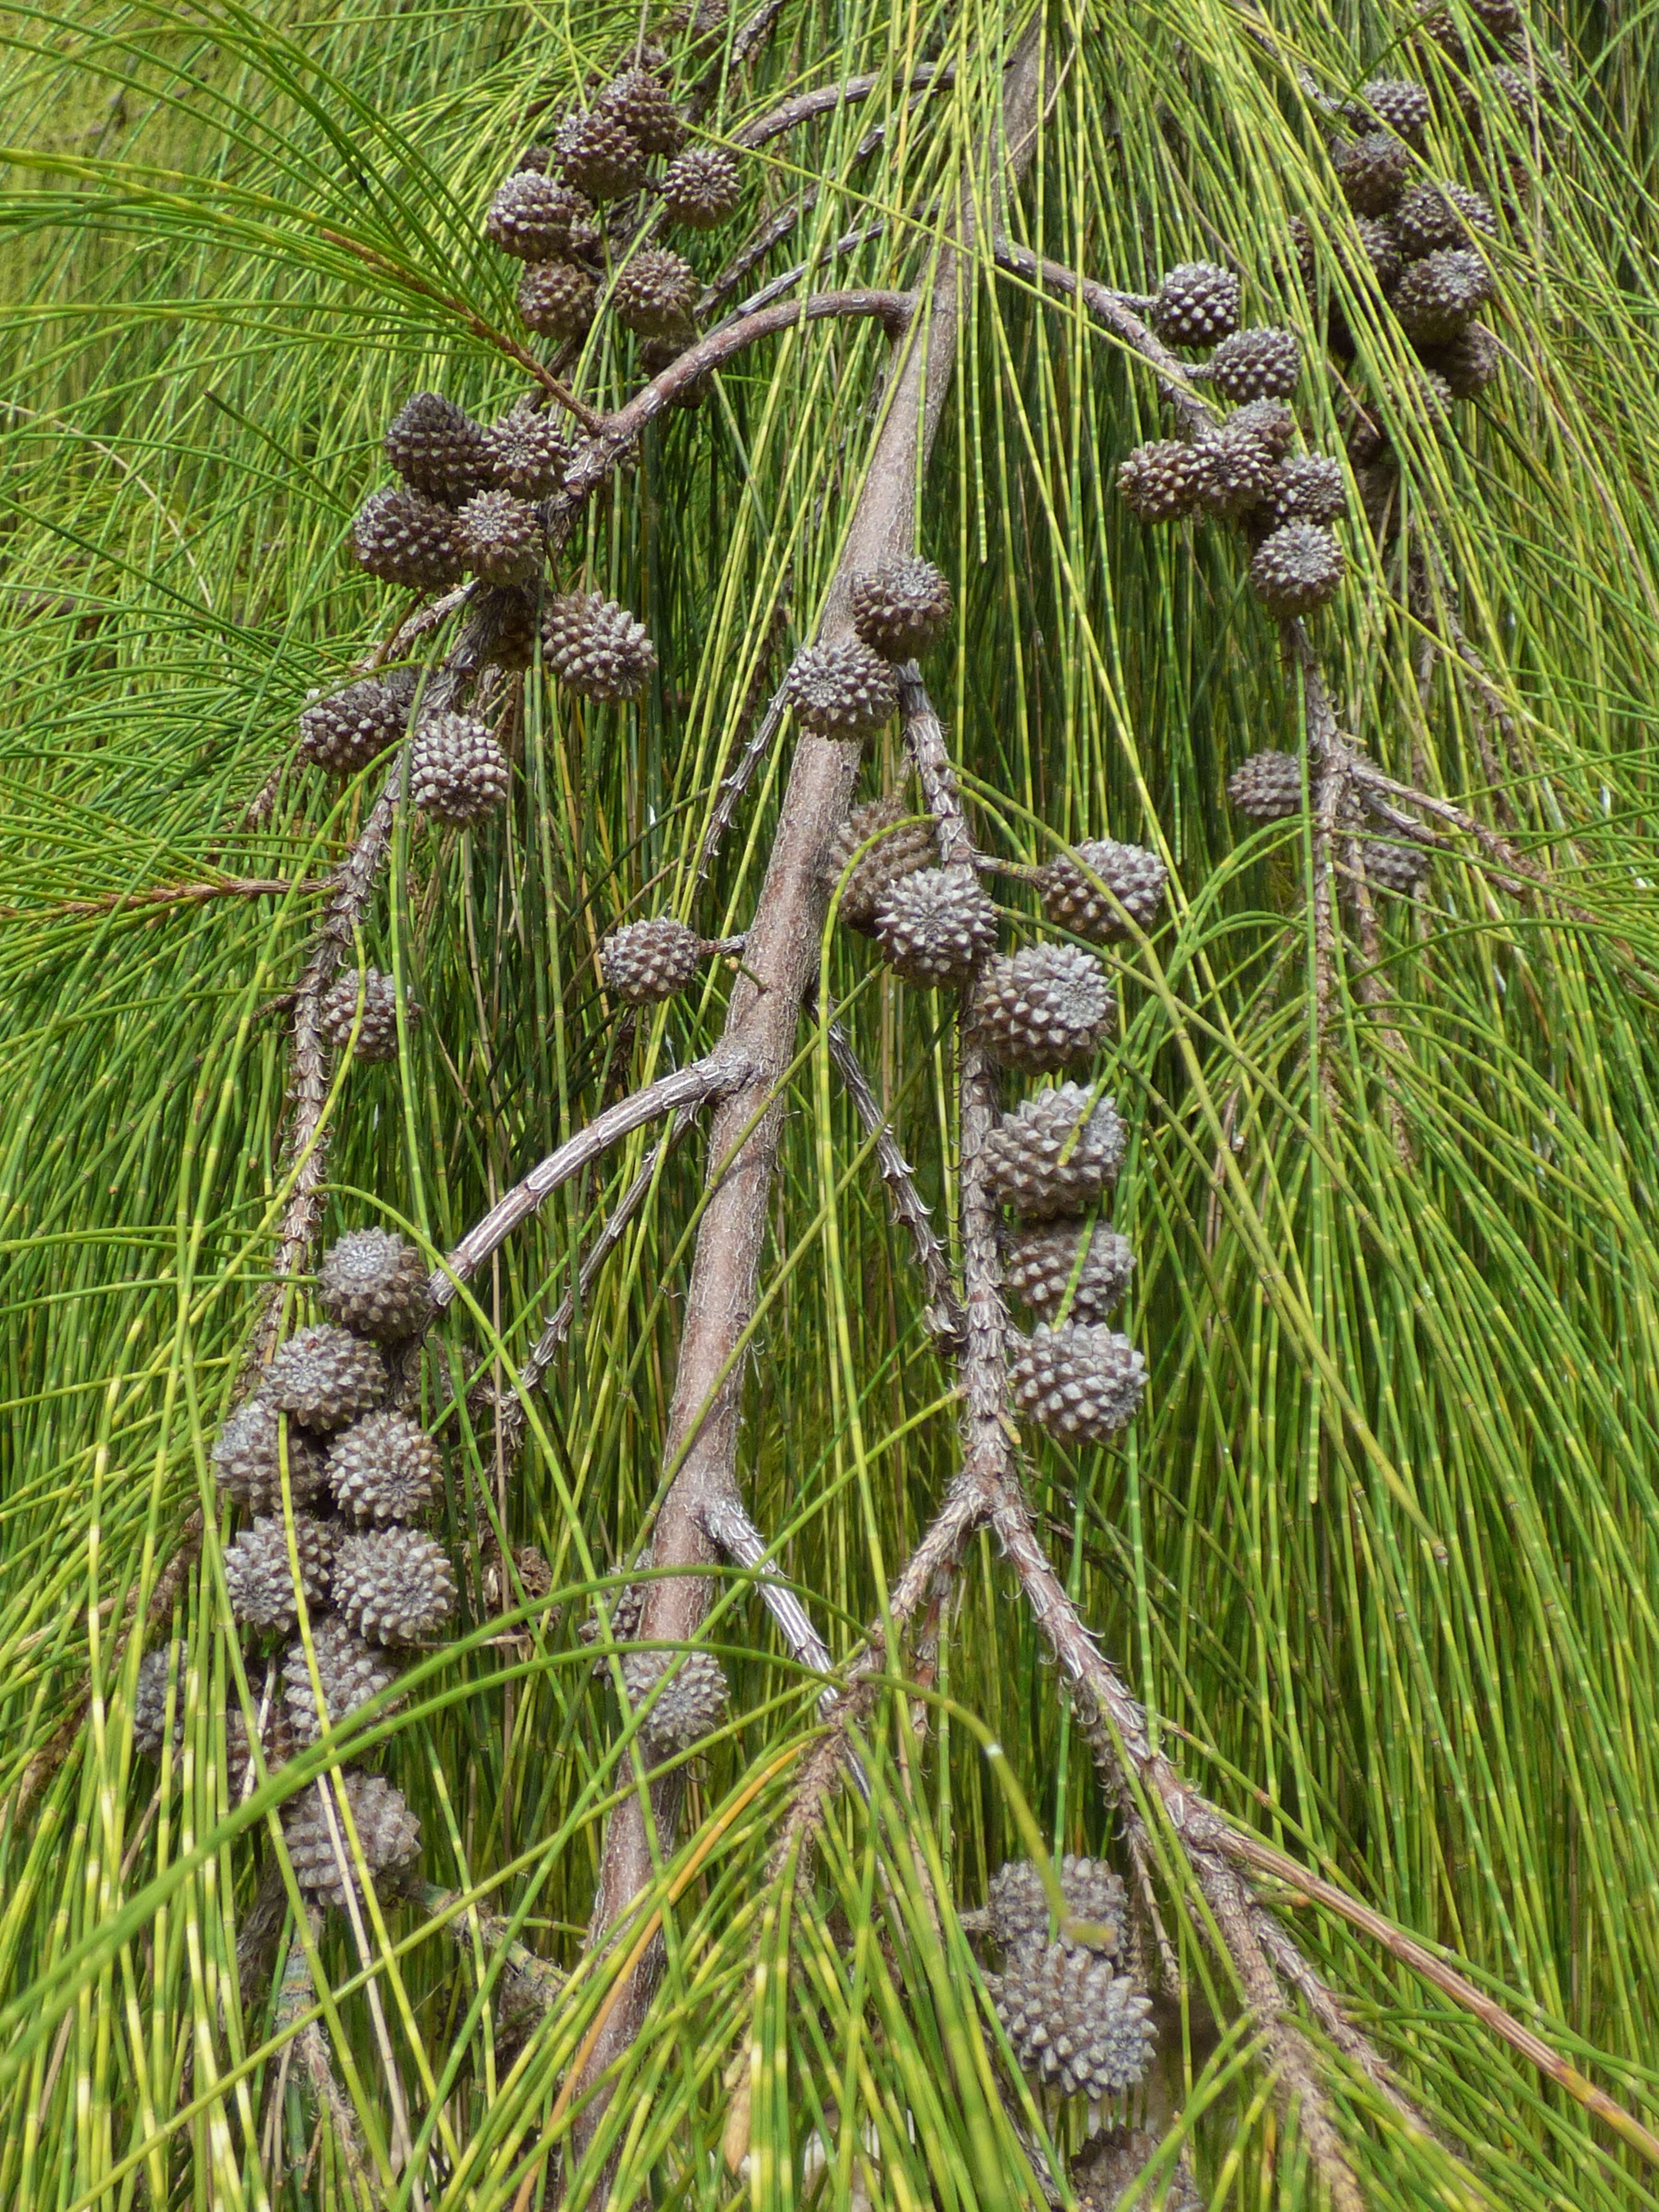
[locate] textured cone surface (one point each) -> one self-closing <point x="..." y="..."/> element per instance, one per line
<point x="1041" y="1262"/>
<point x="1268" y="421"/>
<point x="500" y="538"/>
<point x="376" y="1036"/>
<point x="1380" y="242"/>
<point x="1163" y="481"/>
<point x="645" y="961"/>
<point x="1433" y="217"/>
<point x="1397" y="103"/>
<point x="641" y="104"/>
<point x="906" y="846"/>
<point x="1441" y="295"/>
<point x="1267" y="787"/>
<point x="393" y="1585"/>
<point x="513" y="613"/>
<point x="1256" y="364"/>
<point x="258" y="1579"/>
<point x="1296" y="569"/>
<point x="689" y="1706"/>
<point x="404" y="537"/>
<point x="438" y="449"/>
<point x="325" y="1377"/>
<point x="1055" y="1154"/>
<point x="384" y="1467"/>
<point x="596" y="647"/>
<point x="1392" y="862"/>
<point x="374" y="1283"/>
<point x="246" y="1464"/>
<point x="1468" y="364"/>
<point x="1434" y="395"/>
<point x="1310" y="488"/>
<point x="149" y="1701"/>
<point x="1068" y="887"/>
<point x="456" y="771"/>
<point x="276" y="1746"/>
<point x="1073" y="2023"/>
<point x="1019" y="1905"/>
<point x="344" y="733"/>
<point x="1372" y="171"/>
<point x="1042" y="1008"/>
<point x="655" y="292"/>
<point x="599" y="156"/>
<point x="1378" y="245"/>
<point x="535" y="218"/>
<point x="1240" y="470"/>
<point x="934" y="925"/>
<point x="1196" y="304"/>
<point x="387" y="1831"/>
<point x="702" y="187"/>
<point x="840" y="690"/>
<point x="556" y="299"/>
<point x="1104" y="2174"/>
<point x="903" y="608"/>
<point x="1079" y="1380"/>
<point x="526" y="454"/>
<point x="350" y="1671"/>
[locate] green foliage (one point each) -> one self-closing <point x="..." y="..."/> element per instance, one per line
<point x="1381" y="1551"/>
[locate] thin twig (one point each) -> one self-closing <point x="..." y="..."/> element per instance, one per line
<point x="825" y="98"/>
<point x="740" y="1539"/>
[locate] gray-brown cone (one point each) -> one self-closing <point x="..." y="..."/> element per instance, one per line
<point x="641" y="103"/>
<point x="599" y="156"/>
<point x="934" y="925"/>
<point x="526" y="453"/>
<point x="1042" y="1263"/>
<point x="1309" y="488"/>
<point x="1268" y="421"/>
<point x="1372" y="171"/>
<point x="374" y="1283"/>
<point x="655" y="292"/>
<point x="276" y="1746"/>
<point x="1017" y="1906"/>
<point x="1073" y="2023"/>
<point x="558" y="299"/>
<point x="1196" y="305"/>
<point x="336" y="1013"/>
<point x="350" y="1671"/>
<point x="384" y="1467"/>
<point x="1239" y="469"/>
<point x="246" y="1465"/>
<point x="1432" y="216"/>
<point x="1267" y="787"/>
<point x="702" y="187"/>
<point x="1440" y="295"/>
<point x="1297" y="568"/>
<point x="1055" y="1153"/>
<point x="259" y="1579"/>
<point x="905" y="845"/>
<point x="1070" y="887"/>
<point x="404" y="537"/>
<point x="149" y="1699"/>
<point x="388" y="1834"/>
<point x="500" y="538"/>
<point x="1396" y="104"/>
<point x="536" y="218"/>
<point x="1042" y="1008"/>
<point x="393" y="1585"/>
<point x="436" y="447"/>
<point x="596" y="647"/>
<point x="1468" y="364"/>
<point x="345" y="732"/>
<point x="511" y="615"/>
<point x="457" y="771"/>
<point x="645" y="961"/>
<point x="1163" y="481"/>
<point x="325" y="1377"/>
<point x="844" y="689"/>
<point x="1079" y="1380"/>
<point x="1255" y="364"/>
<point x="691" y="1703"/>
<point x="903" y="608"/>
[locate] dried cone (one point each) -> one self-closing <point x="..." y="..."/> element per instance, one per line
<point x="259" y="1578"/>
<point x="1310" y="488"/>
<point x="1391" y="861"/>
<point x="393" y="1585"/>
<point x="1196" y="304"/>
<point x="404" y="537"/>
<point x="1255" y="364"/>
<point x="655" y="292"/>
<point x="1267" y="787"/>
<point x="351" y="1672"/>
<point x="1074" y="2024"/>
<point x="1042" y="1008"/>
<point x="906" y="845"/>
<point x="1079" y="1380"/>
<point x="384" y="1467"/>
<point x="534" y="218"/>
<point x="1468" y="364"/>
<point x="276" y="1748"/>
<point x="325" y="1377"/>
<point x="691" y="1704"/>
<point x="1055" y="1153"/>
<point x="345" y="732"/>
<point x="1070" y="887"/>
<point x="1270" y="421"/>
<point x="641" y="104"/>
<point x="438" y="449"/>
<point x="935" y="925"/>
<point x="596" y="647"/>
<point x="526" y="453"/>
<point x="1163" y="482"/>
<point x="645" y="961"/>
<point x="1396" y="103"/>
<point x="457" y="771"/>
<point x="1297" y="568"/>
<point x="337" y="1013"/>
<point x="149" y="1699"/>
<point x="556" y="299"/>
<point x="1440" y="295"/>
<point x="903" y="608"/>
<point x="513" y="613"/>
<point x="599" y="156"/>
<point x="500" y="538"/>
<point x="1372" y="171"/>
<point x="702" y="187"/>
<point x="1017" y="1906"/>
<point x="388" y="1834"/>
<point x="1240" y="469"/>
<point x="844" y="689"/>
<point x="247" y="1463"/>
<point x="1432" y="216"/>
<point x="1044" y="1265"/>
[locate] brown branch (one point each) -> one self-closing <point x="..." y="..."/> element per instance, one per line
<point x="762" y="725"/>
<point x="159" y="894"/>
<point x="825" y="98"/>
<point x="740" y="1539"/>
